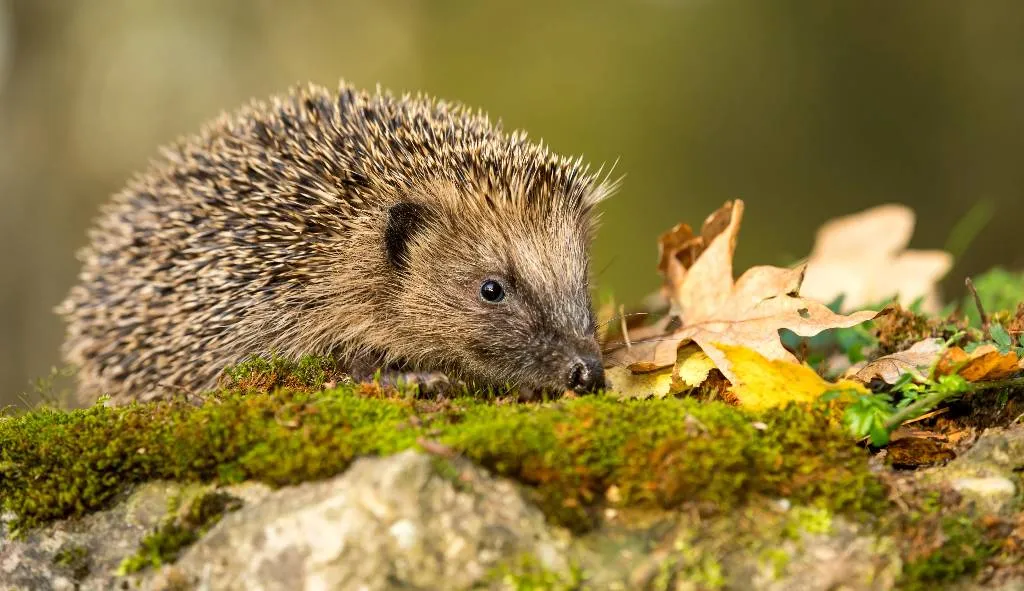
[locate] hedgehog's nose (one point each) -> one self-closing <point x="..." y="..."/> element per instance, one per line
<point x="586" y="374"/>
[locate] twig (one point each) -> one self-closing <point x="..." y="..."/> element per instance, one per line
<point x="927" y="415"/>
<point x="625" y="331"/>
<point x="934" y="398"/>
<point x="977" y="302"/>
<point x="436" y="448"/>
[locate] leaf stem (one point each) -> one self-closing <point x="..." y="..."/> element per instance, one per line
<point x="931" y="400"/>
<point x="910" y="411"/>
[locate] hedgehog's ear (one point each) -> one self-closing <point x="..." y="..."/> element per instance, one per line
<point x="404" y="220"/>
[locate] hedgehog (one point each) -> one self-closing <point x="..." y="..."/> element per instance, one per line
<point x="402" y="232"/>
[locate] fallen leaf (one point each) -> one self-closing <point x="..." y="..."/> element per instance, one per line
<point x="765" y="383"/>
<point x="679" y="248"/>
<point x="692" y="366"/>
<point x="716" y="310"/>
<point x="628" y="385"/>
<point x="983" y="364"/>
<point x="863" y="258"/>
<point x="917" y="360"/>
<point x="690" y="370"/>
<point x="915" y="452"/>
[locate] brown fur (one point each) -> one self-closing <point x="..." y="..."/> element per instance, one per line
<point x="265" y="233"/>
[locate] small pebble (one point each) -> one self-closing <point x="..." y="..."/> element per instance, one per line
<point x="404" y="532"/>
<point x="987" y="487"/>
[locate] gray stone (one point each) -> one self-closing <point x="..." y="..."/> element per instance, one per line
<point x="414" y="521"/>
<point x="85" y="553"/>
<point x="994" y="491"/>
<point x="790" y="548"/>
<point x="387" y="523"/>
<point x="985" y="473"/>
<point x="846" y="558"/>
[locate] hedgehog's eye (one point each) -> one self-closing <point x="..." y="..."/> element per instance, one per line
<point x="492" y="291"/>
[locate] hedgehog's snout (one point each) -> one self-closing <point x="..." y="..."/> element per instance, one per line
<point x="586" y="374"/>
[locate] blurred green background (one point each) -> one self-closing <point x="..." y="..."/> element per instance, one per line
<point x="806" y="110"/>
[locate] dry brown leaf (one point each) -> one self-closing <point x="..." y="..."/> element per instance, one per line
<point x="983" y="364"/>
<point x="917" y="360"/>
<point x="863" y="257"/>
<point x="915" y="452"/>
<point x="716" y="310"/>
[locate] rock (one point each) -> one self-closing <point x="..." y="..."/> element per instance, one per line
<point x="416" y="521"/>
<point x="986" y="473"/>
<point x="770" y="548"/>
<point x="85" y="553"/>
<point x="402" y="521"/>
<point x="845" y="558"/>
<point x="993" y="491"/>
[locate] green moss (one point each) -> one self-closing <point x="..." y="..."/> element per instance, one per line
<point x="56" y="464"/>
<point x="159" y="547"/>
<point x="692" y="564"/>
<point x="807" y="520"/>
<point x="446" y="468"/>
<point x="165" y="543"/>
<point x="75" y="559"/>
<point x="708" y="551"/>
<point x="263" y="374"/>
<point x="964" y="550"/>
<point x="526" y="573"/>
<point x="899" y="328"/>
<point x="775" y="559"/>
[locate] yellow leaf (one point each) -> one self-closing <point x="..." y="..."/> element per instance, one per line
<point x="642" y="385"/>
<point x="691" y="369"/>
<point x="692" y="366"/>
<point x="765" y="383"/>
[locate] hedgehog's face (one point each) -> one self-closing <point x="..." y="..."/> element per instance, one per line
<point x="496" y="298"/>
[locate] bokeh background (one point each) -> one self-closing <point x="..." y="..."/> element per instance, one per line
<point x="806" y="110"/>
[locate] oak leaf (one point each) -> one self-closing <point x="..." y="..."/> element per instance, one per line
<point x="863" y="257"/>
<point x="715" y="310"/>
<point x="982" y="364"/>
<point x="918" y="360"/>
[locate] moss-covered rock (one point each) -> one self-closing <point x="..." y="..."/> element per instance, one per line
<point x="178" y="531"/>
<point x="55" y="464"/>
<point x="763" y="545"/>
<point x="654" y="494"/>
<point x="85" y="552"/>
<point x="961" y="548"/>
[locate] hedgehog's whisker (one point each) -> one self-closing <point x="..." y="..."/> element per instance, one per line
<point x="618" y="316"/>
<point x="607" y="266"/>
<point x="641" y="342"/>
